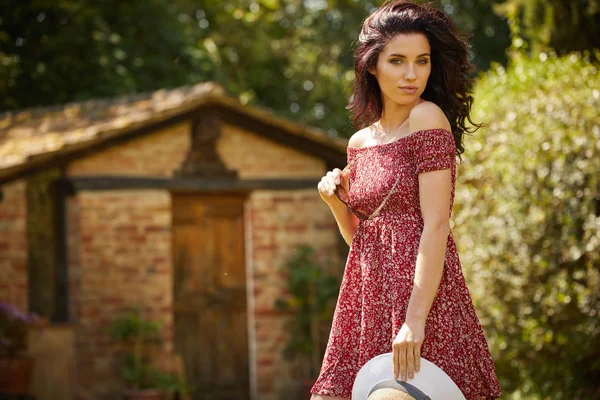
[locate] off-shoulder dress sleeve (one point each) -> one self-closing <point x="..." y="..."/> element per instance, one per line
<point x="434" y="149"/>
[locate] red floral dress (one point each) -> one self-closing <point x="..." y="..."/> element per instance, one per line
<point x="379" y="272"/>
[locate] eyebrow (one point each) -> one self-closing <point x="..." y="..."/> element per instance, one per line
<point x="403" y="56"/>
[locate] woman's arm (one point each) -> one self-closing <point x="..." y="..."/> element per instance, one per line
<point x="435" y="188"/>
<point x="435" y="199"/>
<point x="346" y="221"/>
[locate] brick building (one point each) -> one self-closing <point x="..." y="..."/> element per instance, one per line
<point x="182" y="202"/>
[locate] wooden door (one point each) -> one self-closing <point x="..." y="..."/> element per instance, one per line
<point x="210" y="317"/>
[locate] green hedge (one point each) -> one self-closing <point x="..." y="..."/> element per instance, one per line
<point x="527" y="220"/>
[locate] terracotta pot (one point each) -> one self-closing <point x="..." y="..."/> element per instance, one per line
<point x="15" y="374"/>
<point x="145" y="394"/>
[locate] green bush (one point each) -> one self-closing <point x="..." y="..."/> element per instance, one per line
<point x="527" y="220"/>
<point x="313" y="290"/>
<point x="137" y="335"/>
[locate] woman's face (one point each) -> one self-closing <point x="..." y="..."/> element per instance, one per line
<point x="404" y="62"/>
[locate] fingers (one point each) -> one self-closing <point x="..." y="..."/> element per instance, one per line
<point x="406" y="359"/>
<point x="320" y="187"/>
<point x="346" y="171"/>
<point x="417" y="357"/>
<point x="410" y="360"/>
<point x="328" y="183"/>
<point x="344" y="176"/>
<point x="402" y="361"/>
<point x="337" y="176"/>
<point x="396" y="359"/>
<point x="325" y="188"/>
<point x="399" y="359"/>
<point x="407" y="351"/>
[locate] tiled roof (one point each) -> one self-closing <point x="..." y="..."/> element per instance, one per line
<point x="30" y="134"/>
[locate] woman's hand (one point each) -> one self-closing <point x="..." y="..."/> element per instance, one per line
<point x="329" y="182"/>
<point x="406" y="350"/>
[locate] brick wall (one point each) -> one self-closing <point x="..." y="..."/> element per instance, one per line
<point x="119" y="252"/>
<point x="156" y="154"/>
<point x="161" y="153"/>
<point x="120" y="257"/>
<point x="255" y="157"/>
<point x="280" y="221"/>
<point x="119" y="248"/>
<point x="13" y="245"/>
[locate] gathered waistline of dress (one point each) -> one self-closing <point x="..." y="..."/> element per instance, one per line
<point x="394" y="216"/>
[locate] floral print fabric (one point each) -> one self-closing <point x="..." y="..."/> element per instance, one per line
<point x="379" y="272"/>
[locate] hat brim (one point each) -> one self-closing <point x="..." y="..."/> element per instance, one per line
<point x="430" y="379"/>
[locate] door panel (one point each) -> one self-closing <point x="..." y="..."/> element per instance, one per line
<point x="210" y="294"/>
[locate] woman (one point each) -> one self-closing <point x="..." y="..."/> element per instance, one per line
<point x="403" y="290"/>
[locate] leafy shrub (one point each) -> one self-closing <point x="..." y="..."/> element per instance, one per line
<point x="528" y="220"/>
<point x="312" y="294"/>
<point x="137" y="335"/>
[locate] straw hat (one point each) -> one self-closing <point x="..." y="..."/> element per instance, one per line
<point x="375" y="381"/>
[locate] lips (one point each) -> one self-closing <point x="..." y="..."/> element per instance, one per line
<point x="409" y="89"/>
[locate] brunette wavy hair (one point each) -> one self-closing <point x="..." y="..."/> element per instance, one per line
<point x="449" y="84"/>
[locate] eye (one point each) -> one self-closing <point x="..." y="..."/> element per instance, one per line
<point x="423" y="61"/>
<point x="394" y="61"/>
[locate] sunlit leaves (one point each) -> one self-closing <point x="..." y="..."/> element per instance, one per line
<point x="557" y="25"/>
<point x="293" y="56"/>
<point x="528" y="219"/>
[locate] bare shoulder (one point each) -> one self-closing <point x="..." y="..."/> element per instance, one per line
<point x="358" y="138"/>
<point x="428" y="115"/>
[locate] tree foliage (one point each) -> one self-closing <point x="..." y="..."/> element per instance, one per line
<point x="296" y="56"/>
<point x="293" y="56"/>
<point x="562" y="26"/>
<point x="528" y="222"/>
<point x="67" y="50"/>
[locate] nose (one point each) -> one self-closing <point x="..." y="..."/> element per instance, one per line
<point x="410" y="73"/>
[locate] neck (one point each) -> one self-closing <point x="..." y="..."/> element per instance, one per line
<point x="394" y="115"/>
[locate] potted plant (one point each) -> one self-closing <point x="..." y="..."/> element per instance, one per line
<point x="139" y="339"/>
<point x="15" y="365"/>
<point x="312" y="293"/>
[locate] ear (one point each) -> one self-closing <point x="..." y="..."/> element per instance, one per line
<point x="372" y="71"/>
